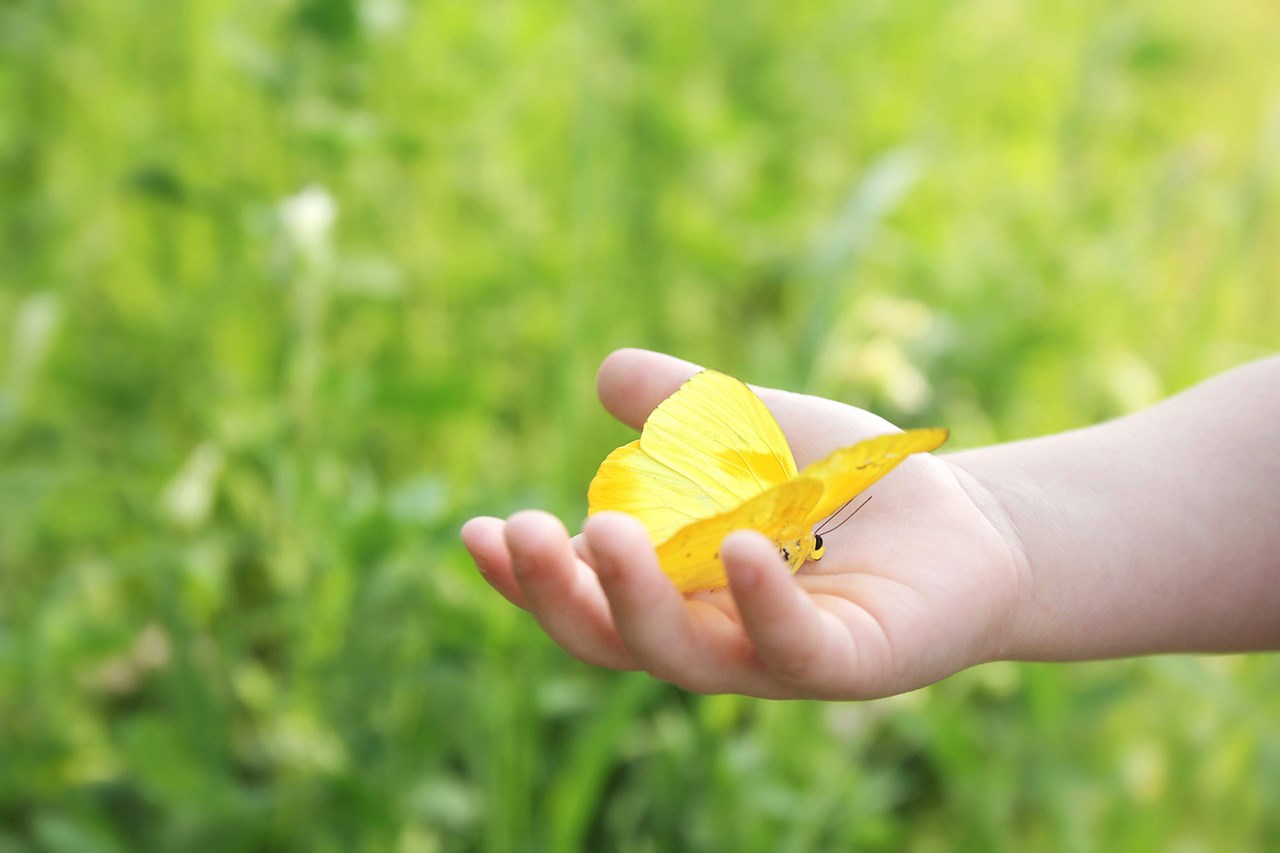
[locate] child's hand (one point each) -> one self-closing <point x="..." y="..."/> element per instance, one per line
<point x="918" y="585"/>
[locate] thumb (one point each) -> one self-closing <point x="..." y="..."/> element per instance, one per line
<point x="632" y="382"/>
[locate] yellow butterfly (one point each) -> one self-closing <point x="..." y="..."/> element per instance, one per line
<point x="711" y="460"/>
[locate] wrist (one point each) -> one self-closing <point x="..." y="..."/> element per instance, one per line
<point x="1006" y="636"/>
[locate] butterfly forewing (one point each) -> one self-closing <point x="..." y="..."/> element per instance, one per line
<point x="691" y="558"/>
<point x="705" y="450"/>
<point x="718" y="433"/>
<point x="850" y="470"/>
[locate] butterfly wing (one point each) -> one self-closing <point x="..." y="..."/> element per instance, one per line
<point x="850" y="470"/>
<point x="717" y="430"/>
<point x="704" y="450"/>
<point x="691" y="558"/>
<point x="663" y="501"/>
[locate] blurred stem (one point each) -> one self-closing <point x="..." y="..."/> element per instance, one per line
<point x="836" y="255"/>
<point x="309" y="308"/>
<point x="587" y="272"/>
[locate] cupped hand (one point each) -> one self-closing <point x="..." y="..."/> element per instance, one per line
<point x="921" y="583"/>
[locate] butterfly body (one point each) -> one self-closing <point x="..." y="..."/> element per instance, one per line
<point x="800" y="550"/>
<point x="711" y="459"/>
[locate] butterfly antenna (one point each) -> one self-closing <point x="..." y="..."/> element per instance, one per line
<point x="822" y="528"/>
<point x="849" y="516"/>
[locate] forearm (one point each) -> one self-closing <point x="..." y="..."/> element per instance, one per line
<point x="1157" y="532"/>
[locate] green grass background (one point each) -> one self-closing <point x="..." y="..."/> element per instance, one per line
<point x="234" y="454"/>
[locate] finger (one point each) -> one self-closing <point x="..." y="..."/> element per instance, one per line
<point x="799" y="643"/>
<point x="632" y="382"/>
<point x="689" y="643"/>
<point x="561" y="592"/>
<point x="583" y="550"/>
<point x="483" y="537"/>
<point x="866" y="604"/>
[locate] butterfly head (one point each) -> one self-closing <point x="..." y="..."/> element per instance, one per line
<point x="797" y="551"/>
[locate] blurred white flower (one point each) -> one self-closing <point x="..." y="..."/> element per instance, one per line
<point x="382" y="16"/>
<point x="1131" y="383"/>
<point x="308" y="219"/>
<point x="188" y="498"/>
<point x="34" y="327"/>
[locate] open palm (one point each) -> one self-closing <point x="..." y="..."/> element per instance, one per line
<point x="921" y="583"/>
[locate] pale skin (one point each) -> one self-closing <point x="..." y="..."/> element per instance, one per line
<point x="1156" y="532"/>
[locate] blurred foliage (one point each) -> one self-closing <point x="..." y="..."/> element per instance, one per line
<point x="289" y="289"/>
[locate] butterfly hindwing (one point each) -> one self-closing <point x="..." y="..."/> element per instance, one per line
<point x="691" y="558"/>
<point x="662" y="500"/>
